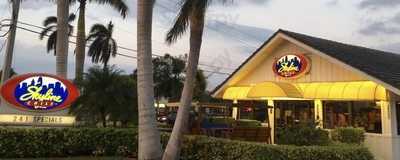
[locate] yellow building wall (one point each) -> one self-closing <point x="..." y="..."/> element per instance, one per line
<point x="321" y="70"/>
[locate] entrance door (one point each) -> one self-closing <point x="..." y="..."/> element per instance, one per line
<point x="293" y="112"/>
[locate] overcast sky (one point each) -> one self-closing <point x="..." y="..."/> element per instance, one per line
<point x="233" y="30"/>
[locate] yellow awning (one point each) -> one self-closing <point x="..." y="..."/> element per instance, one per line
<point x="236" y="93"/>
<point x="362" y="90"/>
<point x="274" y="90"/>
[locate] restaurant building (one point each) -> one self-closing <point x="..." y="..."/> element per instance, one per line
<point x="299" y="77"/>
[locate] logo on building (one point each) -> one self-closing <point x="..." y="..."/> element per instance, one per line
<point x="39" y="92"/>
<point x="291" y="66"/>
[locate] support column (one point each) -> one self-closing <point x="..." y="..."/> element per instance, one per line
<point x="271" y="116"/>
<point x="385" y="146"/>
<point x="235" y="112"/>
<point x="318" y="113"/>
<point x="389" y="121"/>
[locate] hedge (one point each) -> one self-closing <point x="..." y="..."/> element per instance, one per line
<point x="248" y="123"/>
<point x="304" y="134"/>
<point x="20" y="143"/>
<point x="348" y="135"/>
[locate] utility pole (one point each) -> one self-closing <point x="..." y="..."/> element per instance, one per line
<point x="10" y="41"/>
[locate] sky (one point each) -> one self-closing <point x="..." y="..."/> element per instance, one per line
<point x="233" y="30"/>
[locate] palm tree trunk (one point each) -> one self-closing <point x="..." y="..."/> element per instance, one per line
<point x="6" y="71"/>
<point x="172" y="151"/>
<point x="62" y="38"/>
<point x="80" y="42"/>
<point x="149" y="136"/>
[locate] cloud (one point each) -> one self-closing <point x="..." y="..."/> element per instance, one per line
<point x="389" y="26"/>
<point x="332" y="3"/>
<point x="373" y="4"/>
<point x="379" y="28"/>
<point x="36" y="4"/>
<point x="393" y="47"/>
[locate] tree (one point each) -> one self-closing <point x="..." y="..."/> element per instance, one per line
<point x="62" y="38"/>
<point x="191" y="14"/>
<point x="50" y="30"/>
<point x="126" y="110"/>
<point x="149" y="136"/>
<point x="200" y="86"/>
<point x="105" y="93"/>
<point x="168" y="77"/>
<point x="8" y="55"/>
<point x="118" y="5"/>
<point x="103" y="45"/>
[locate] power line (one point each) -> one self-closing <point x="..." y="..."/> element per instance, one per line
<point x="125" y="48"/>
<point x="124" y="55"/>
<point x="71" y="42"/>
<point x="202" y="64"/>
<point x="218" y="31"/>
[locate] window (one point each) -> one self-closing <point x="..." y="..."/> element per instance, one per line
<point x="255" y="110"/>
<point x="362" y="114"/>
<point x="291" y="112"/>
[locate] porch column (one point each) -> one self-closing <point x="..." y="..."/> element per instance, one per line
<point x="385" y="146"/>
<point x="389" y="121"/>
<point x="235" y="110"/>
<point x="271" y="116"/>
<point x="318" y="113"/>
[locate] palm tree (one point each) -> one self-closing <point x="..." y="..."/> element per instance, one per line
<point x="62" y="38"/>
<point x="191" y="14"/>
<point x="50" y="30"/>
<point x="103" y="45"/>
<point x="149" y="136"/>
<point x="8" y="55"/>
<point x="96" y="103"/>
<point x="118" y="5"/>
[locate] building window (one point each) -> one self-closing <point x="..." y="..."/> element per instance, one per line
<point x="364" y="114"/>
<point x="292" y="112"/>
<point x="398" y="116"/>
<point x="254" y="110"/>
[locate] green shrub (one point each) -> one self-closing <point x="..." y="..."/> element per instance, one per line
<point x="248" y="123"/>
<point x="305" y="134"/>
<point x="66" y="142"/>
<point x="20" y="143"/>
<point x="348" y="135"/>
<point x="204" y="148"/>
<point x="222" y="120"/>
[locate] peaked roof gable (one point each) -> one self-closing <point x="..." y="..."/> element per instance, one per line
<point x="380" y="65"/>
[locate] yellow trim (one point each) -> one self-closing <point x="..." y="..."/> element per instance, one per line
<point x="236" y="93"/>
<point x="359" y="90"/>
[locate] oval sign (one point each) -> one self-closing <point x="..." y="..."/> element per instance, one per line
<point x="39" y="92"/>
<point x="291" y="66"/>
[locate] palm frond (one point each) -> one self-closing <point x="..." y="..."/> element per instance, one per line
<point x="51" y="43"/>
<point x="118" y="5"/>
<point x="95" y="50"/>
<point x="93" y="36"/>
<point x="71" y="17"/>
<point x="114" y="47"/>
<point x="181" y="22"/>
<point x="45" y="31"/>
<point x="98" y="28"/>
<point x="50" y="20"/>
<point x="70" y="30"/>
